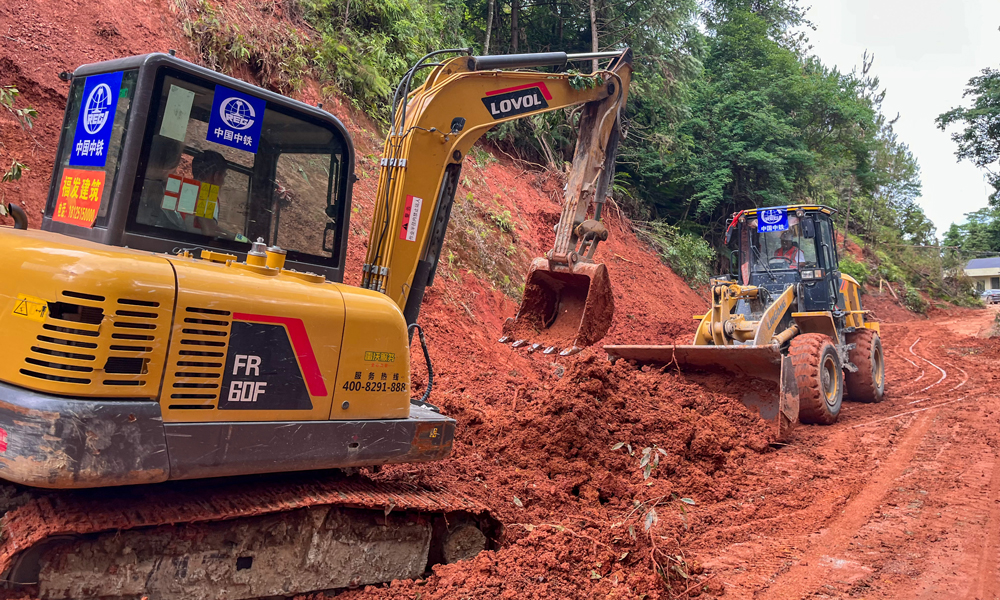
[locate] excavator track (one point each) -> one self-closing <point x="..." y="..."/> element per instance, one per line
<point x="254" y="537"/>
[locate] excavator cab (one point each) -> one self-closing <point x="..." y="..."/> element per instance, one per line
<point x="159" y="154"/>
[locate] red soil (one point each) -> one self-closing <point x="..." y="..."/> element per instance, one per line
<point x="888" y="503"/>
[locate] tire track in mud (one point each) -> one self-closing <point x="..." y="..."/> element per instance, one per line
<point x="986" y="585"/>
<point x="922" y="448"/>
<point x="809" y="573"/>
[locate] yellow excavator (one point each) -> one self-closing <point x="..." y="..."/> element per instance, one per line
<point x="179" y="329"/>
<point x="788" y="317"/>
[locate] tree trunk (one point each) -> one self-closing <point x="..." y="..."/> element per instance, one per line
<point x="489" y="26"/>
<point x="593" y="34"/>
<point x="514" y="33"/>
<point x="847" y="213"/>
<point x="560" y="27"/>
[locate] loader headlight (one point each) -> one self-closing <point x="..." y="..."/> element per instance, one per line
<point x="809" y="274"/>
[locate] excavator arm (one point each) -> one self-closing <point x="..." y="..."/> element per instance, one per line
<point x="435" y="126"/>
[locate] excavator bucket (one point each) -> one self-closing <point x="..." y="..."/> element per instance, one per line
<point x="563" y="310"/>
<point x="762" y="363"/>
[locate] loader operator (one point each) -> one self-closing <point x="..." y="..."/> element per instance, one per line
<point x="788" y="251"/>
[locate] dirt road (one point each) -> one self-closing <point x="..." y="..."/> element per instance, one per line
<point x="897" y="500"/>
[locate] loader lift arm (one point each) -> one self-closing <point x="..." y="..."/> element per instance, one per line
<point x="435" y="126"/>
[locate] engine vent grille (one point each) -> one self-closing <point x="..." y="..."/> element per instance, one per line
<point x="89" y="340"/>
<point x="200" y="357"/>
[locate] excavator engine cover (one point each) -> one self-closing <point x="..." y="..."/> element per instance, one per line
<point x="562" y="309"/>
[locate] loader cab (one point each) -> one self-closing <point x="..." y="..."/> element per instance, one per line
<point x="790" y="245"/>
<point x="160" y="154"/>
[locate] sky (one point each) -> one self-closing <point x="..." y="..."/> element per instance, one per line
<point x="925" y="53"/>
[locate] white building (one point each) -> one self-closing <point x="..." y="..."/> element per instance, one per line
<point x="985" y="272"/>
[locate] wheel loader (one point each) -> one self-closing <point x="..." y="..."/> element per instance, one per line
<point x="788" y="317"/>
<point x="188" y="384"/>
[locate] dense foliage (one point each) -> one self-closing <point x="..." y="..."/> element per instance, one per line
<point x="980" y="234"/>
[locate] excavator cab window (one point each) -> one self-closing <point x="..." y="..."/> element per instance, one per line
<point x="210" y="177"/>
<point x="159" y="154"/>
<point x="94" y="127"/>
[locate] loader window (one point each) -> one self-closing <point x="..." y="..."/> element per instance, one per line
<point x="776" y="250"/>
<point x="204" y="183"/>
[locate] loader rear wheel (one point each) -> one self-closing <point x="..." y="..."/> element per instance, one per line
<point x="819" y="376"/>
<point x="868" y="384"/>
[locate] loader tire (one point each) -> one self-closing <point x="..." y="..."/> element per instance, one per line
<point x="819" y="376"/>
<point x="868" y="384"/>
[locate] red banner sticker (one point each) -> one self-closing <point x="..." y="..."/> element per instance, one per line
<point x="3" y="440"/>
<point x="79" y="197"/>
<point x="411" y="219"/>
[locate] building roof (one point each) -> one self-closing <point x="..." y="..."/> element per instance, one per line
<point x="984" y="263"/>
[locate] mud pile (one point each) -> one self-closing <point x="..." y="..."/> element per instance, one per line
<point x="558" y="458"/>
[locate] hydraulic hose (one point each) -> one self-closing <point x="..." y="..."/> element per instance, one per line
<point x="430" y="371"/>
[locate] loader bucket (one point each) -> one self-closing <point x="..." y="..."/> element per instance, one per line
<point x="562" y="310"/>
<point x="779" y="406"/>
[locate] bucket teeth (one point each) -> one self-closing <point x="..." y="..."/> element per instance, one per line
<point x="519" y="344"/>
<point x="571" y="351"/>
<point x="504" y="339"/>
<point x="550" y="350"/>
<point x="534" y="347"/>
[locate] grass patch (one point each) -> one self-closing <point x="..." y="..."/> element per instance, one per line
<point x="227" y="36"/>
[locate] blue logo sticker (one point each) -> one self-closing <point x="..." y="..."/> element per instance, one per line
<point x="96" y="120"/>
<point x="772" y="219"/>
<point x="236" y="119"/>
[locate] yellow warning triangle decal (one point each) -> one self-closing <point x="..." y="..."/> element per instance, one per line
<point x="21" y="308"/>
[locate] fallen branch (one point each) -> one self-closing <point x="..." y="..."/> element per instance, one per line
<point x="694" y="585"/>
<point x="560" y="528"/>
<point x="892" y="291"/>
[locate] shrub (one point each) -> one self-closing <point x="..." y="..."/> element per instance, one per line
<point x="25" y="117"/>
<point x="913" y="300"/>
<point x="857" y="270"/>
<point x="223" y="37"/>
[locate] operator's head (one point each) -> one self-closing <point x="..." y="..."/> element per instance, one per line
<point x="786" y="239"/>
<point x="210" y="167"/>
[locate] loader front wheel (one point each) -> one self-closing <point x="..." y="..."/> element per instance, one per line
<point x="868" y="384"/>
<point x="819" y="376"/>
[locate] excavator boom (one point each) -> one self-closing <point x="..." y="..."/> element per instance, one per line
<point x="434" y="127"/>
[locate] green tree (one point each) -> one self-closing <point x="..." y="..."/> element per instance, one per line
<point x="979" y="141"/>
